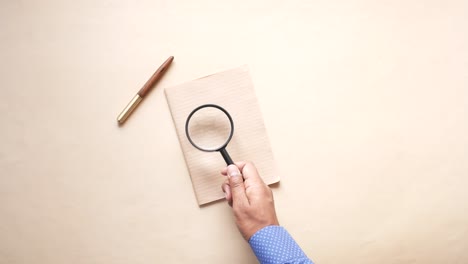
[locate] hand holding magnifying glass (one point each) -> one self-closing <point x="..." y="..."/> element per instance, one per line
<point x="209" y="128"/>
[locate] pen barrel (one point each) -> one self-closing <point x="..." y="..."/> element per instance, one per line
<point x="155" y="77"/>
<point x="129" y="108"/>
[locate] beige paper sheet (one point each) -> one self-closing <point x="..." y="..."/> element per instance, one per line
<point x="232" y="90"/>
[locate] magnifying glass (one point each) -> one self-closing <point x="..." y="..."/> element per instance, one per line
<point x="209" y="128"/>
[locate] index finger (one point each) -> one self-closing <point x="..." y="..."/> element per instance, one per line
<point x="248" y="170"/>
<point x="250" y="173"/>
<point x="239" y="164"/>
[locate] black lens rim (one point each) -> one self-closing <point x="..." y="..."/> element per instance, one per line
<point x="205" y="106"/>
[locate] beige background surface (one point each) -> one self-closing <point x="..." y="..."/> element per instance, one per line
<point x="365" y="103"/>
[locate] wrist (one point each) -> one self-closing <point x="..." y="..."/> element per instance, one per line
<point x="250" y="231"/>
<point x="261" y="230"/>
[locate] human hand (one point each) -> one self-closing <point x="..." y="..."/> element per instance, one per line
<point x="250" y="198"/>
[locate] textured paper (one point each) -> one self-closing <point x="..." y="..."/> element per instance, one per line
<point x="233" y="90"/>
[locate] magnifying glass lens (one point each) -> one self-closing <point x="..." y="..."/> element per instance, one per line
<point x="209" y="128"/>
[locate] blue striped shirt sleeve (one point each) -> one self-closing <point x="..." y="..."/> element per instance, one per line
<point x="274" y="245"/>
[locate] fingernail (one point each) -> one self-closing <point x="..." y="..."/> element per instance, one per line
<point x="233" y="171"/>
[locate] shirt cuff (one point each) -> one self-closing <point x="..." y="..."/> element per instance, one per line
<point x="273" y="244"/>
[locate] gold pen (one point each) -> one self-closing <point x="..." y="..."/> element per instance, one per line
<point x="144" y="90"/>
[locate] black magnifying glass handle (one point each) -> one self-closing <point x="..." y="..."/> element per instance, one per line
<point x="226" y="156"/>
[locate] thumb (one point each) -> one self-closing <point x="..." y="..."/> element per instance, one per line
<point x="236" y="182"/>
